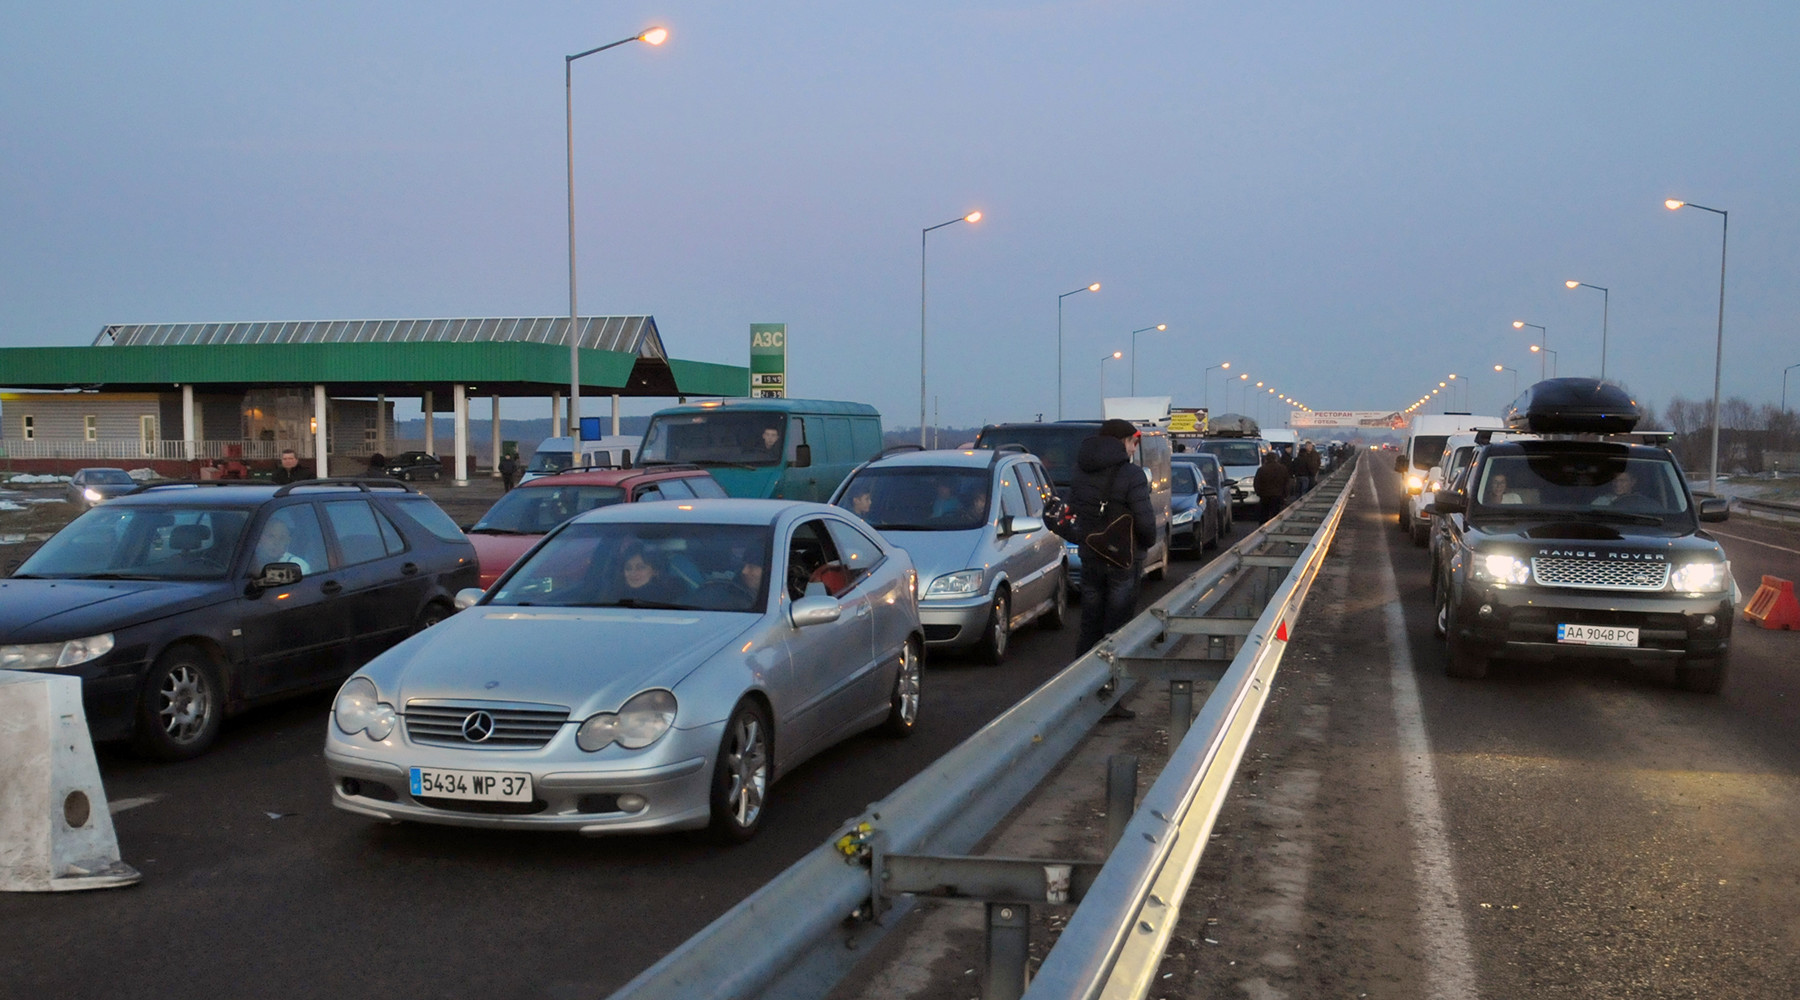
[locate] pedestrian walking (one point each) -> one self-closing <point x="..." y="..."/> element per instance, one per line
<point x="509" y="471"/>
<point x="1271" y="484"/>
<point x="1108" y="487"/>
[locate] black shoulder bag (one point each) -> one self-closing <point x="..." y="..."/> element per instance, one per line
<point x="1116" y="542"/>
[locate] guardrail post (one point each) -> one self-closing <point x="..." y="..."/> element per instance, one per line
<point x="1181" y="709"/>
<point x="1008" y="949"/>
<point x="1121" y="795"/>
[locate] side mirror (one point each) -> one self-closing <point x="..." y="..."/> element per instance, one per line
<point x="1447" y="503"/>
<point x="1715" y="509"/>
<point x="1209" y="491"/>
<point x="815" y="610"/>
<point x="1401" y="465"/>
<point x="467" y="598"/>
<point x="278" y="574"/>
<point x="802" y="456"/>
<point x="1020" y="525"/>
<point x="1229" y="483"/>
<point x="1437" y="473"/>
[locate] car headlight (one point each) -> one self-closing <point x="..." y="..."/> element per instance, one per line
<point x="640" y="722"/>
<point x="93" y="495"/>
<point x="359" y="709"/>
<point x="1435" y="485"/>
<point x="45" y="655"/>
<point x="1414" y="484"/>
<point x="1498" y="567"/>
<point x="1185" y="517"/>
<point x="958" y="584"/>
<point x="1700" y="577"/>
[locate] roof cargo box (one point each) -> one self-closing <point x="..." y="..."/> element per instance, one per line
<point x="1574" y="406"/>
<point x="1233" y="425"/>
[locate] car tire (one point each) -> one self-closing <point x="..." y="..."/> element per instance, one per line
<point x="435" y="613"/>
<point x="903" y="700"/>
<point x="741" y="772"/>
<point x="1058" y="615"/>
<point x="1421" y="533"/>
<point x="1440" y="602"/>
<point x="1162" y="568"/>
<point x="1703" y="675"/>
<point x="996" y="636"/>
<point x="181" y="705"/>
<point x="1218" y="532"/>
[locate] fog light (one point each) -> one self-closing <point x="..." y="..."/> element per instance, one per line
<point x="1709" y="620"/>
<point x="352" y="787"/>
<point x="631" y="803"/>
<point x="1487" y="611"/>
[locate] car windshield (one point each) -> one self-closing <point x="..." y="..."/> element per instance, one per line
<point x="1185" y="479"/>
<point x="1053" y="445"/>
<point x="1427" y="448"/>
<point x="110" y="477"/>
<point x="716" y="437"/>
<point x="919" y="498"/>
<point x="1234" y="452"/>
<point x="548" y="462"/>
<point x="534" y="510"/>
<point x="1602" y="486"/>
<point x="697" y="567"/>
<point x="141" y="543"/>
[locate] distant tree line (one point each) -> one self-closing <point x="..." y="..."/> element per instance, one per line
<point x="1752" y="438"/>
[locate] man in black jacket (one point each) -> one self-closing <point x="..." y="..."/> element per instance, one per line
<point x="1108" y="485"/>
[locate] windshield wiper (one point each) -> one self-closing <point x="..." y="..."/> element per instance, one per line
<point x="479" y="530"/>
<point x="908" y="527"/>
<point x="718" y="461"/>
<point x="116" y="576"/>
<point x="1630" y="517"/>
<point x="632" y="602"/>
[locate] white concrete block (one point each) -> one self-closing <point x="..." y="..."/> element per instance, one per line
<point x="56" y="833"/>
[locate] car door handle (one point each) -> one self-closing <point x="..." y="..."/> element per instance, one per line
<point x="862" y="611"/>
<point x="331" y="588"/>
<point x="410" y="569"/>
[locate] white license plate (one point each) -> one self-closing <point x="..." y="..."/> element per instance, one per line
<point x="483" y="786"/>
<point x="1597" y="635"/>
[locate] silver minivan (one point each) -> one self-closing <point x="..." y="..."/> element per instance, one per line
<point x="972" y="521"/>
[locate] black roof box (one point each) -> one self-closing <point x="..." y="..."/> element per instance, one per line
<point x="1574" y="406"/>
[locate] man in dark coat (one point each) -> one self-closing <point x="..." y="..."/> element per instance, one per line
<point x="1271" y="484"/>
<point x="509" y="471"/>
<point x="290" y="470"/>
<point x="1105" y="476"/>
<point x="1306" y="467"/>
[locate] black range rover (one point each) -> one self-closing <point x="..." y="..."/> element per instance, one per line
<point x="1584" y="543"/>
<point x="179" y="603"/>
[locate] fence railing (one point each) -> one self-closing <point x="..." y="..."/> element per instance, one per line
<point x="130" y="449"/>
<point x="1226" y="625"/>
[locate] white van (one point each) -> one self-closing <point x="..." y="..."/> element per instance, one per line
<point x="554" y="455"/>
<point x="1425" y="438"/>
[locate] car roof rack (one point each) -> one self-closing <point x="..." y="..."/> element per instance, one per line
<point x="897" y="449"/>
<point x="167" y="483"/>
<point x="365" y="484"/>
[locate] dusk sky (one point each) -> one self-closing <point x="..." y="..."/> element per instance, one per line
<point x="1347" y="200"/>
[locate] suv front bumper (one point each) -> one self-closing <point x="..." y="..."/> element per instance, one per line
<point x="1521" y="622"/>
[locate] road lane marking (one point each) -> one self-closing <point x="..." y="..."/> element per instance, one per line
<point x="1449" y="962"/>
<point x="1752" y="541"/>
<point x="118" y="806"/>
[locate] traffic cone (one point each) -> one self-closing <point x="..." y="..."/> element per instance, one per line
<point x="1773" y="605"/>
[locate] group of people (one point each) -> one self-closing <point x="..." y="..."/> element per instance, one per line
<point x="1284" y="474"/>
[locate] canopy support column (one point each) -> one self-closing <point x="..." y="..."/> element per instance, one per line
<point x="459" y="405"/>
<point x="321" y="434"/>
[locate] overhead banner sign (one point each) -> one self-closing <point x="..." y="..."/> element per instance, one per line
<point x="1383" y="419"/>
<point x="768" y="360"/>
<point x="1187" y="420"/>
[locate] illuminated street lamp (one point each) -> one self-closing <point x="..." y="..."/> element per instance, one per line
<point x="1519" y="324"/>
<point x="1134" y="333"/>
<point x="1719" y="346"/>
<point x="1114" y="356"/>
<point x="1059" y="342"/>
<point x="1515" y="371"/>
<point x="1206" y="384"/>
<point x="653" y="36"/>
<point x="972" y="217"/>
<point x="1554" y="357"/>
<point x="1605" y="307"/>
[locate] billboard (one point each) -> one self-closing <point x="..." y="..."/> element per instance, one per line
<point x="768" y="360"/>
<point x="1382" y="419"/>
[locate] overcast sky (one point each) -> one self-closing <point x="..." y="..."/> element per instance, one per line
<point x="1346" y="200"/>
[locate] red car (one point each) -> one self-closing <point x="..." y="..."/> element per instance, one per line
<point x="521" y="517"/>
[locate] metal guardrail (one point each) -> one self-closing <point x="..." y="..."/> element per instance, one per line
<point x="1772" y="509"/>
<point x="1227" y="624"/>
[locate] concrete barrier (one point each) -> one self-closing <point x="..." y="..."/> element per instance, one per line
<point x="56" y="833"/>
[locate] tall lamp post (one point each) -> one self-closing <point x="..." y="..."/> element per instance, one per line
<point x="1206" y="384"/>
<point x="1605" y="308"/>
<point x="652" y="36"/>
<point x="1784" y="372"/>
<point x="1719" y="346"/>
<point x="972" y="217"/>
<point x="1059" y="342"/>
<point x="1554" y="358"/>
<point x="1519" y="324"/>
<point x="1134" y="333"/>
<point x="1114" y="356"/>
<point x="1515" y="371"/>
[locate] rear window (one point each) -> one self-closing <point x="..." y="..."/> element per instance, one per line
<point x="431" y="517"/>
<point x="1054" y="445"/>
<point x="1234" y="452"/>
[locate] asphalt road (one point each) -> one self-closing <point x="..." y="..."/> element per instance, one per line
<point x="254" y="885"/>
<point x="1576" y="830"/>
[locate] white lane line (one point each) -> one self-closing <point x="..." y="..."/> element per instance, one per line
<point x="1449" y="962"/>
<point x="1752" y="541"/>
<point x="118" y="806"/>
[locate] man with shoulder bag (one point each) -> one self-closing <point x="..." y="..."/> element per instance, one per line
<point x="1114" y="525"/>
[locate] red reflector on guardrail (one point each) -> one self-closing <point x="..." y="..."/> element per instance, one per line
<point x="1774" y="605"/>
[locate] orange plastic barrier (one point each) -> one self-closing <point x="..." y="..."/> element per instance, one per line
<point x="1774" y="605"/>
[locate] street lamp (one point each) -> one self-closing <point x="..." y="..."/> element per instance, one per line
<point x="1515" y="371"/>
<point x="1114" y="356"/>
<point x="1059" y="342"/>
<point x="1134" y="333"/>
<point x="1206" y="384"/>
<point x="1784" y="372"/>
<point x="1719" y="346"/>
<point x="653" y="36"/>
<point x="972" y="217"/>
<point x="1605" y="307"/>
<point x="1519" y="324"/>
<point x="1554" y="358"/>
